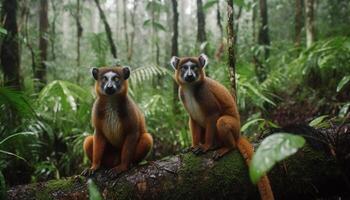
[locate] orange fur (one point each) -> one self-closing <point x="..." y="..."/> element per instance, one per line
<point x="214" y="118"/>
<point x="120" y="137"/>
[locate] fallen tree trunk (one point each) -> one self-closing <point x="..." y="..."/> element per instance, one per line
<point x="306" y="175"/>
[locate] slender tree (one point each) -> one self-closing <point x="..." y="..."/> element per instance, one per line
<point x="125" y="24"/>
<point x="40" y="72"/>
<point x="298" y="22"/>
<point x="79" y="35"/>
<point x="263" y="38"/>
<point x="201" y="34"/>
<point x="132" y="35"/>
<point x="53" y="36"/>
<point x="309" y="22"/>
<point x="175" y="51"/>
<point x="10" y="58"/>
<point x="107" y="29"/>
<point x="218" y="19"/>
<point x="231" y="47"/>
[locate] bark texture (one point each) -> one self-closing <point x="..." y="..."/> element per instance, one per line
<point x="298" y="22"/>
<point x="175" y="51"/>
<point x="40" y="72"/>
<point x="231" y="46"/>
<point x="263" y="37"/>
<point x="309" y="174"/>
<point x="108" y="29"/>
<point x="309" y="22"/>
<point x="10" y="58"/>
<point x="201" y="34"/>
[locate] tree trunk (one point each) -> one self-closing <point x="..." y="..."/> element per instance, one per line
<point x="218" y="20"/>
<point x="10" y="58"/>
<point x="108" y="29"/>
<point x="28" y="40"/>
<point x="175" y="52"/>
<point x="126" y="34"/>
<point x="298" y="22"/>
<point x="263" y="38"/>
<point x="79" y="35"/>
<point x="40" y="72"/>
<point x="201" y="34"/>
<point x="309" y="22"/>
<point x="53" y="28"/>
<point x="231" y="46"/>
<point x="132" y="36"/>
<point x="186" y="176"/>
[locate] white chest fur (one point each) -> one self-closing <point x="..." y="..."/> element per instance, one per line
<point x="193" y="107"/>
<point x="112" y="127"/>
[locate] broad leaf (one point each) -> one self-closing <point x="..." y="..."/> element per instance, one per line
<point x="343" y="82"/>
<point x="248" y="124"/>
<point x="94" y="194"/>
<point x="209" y="4"/>
<point x="316" y="122"/>
<point x="3" y="31"/>
<point x="273" y="149"/>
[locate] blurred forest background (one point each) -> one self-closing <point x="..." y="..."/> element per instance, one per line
<point x="292" y="62"/>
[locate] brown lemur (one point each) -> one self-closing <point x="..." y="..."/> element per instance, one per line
<point x="120" y="138"/>
<point x="214" y="120"/>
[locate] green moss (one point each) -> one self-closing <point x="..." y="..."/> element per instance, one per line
<point x="46" y="191"/>
<point x="122" y="190"/>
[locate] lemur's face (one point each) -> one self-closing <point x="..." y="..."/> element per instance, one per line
<point x="189" y="70"/>
<point x="111" y="80"/>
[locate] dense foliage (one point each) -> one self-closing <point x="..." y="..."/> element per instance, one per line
<point x="41" y="132"/>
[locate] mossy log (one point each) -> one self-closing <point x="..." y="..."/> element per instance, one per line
<point x="308" y="174"/>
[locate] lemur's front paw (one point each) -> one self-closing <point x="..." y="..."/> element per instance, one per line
<point x="116" y="171"/>
<point x="88" y="172"/>
<point x="197" y="150"/>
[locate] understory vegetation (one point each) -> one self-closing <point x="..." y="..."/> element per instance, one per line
<point x="43" y="122"/>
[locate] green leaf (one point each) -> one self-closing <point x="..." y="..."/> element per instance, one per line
<point x="239" y="3"/>
<point x="12" y="154"/>
<point x="15" y="135"/>
<point x="248" y="124"/>
<point x="259" y="94"/>
<point x="94" y="194"/>
<point x="316" y="122"/>
<point x="273" y="149"/>
<point x="159" y="26"/>
<point x="209" y="4"/>
<point x="3" y="31"/>
<point x="343" y="82"/>
<point x="147" y="22"/>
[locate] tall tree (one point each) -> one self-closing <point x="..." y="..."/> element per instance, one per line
<point x="40" y="72"/>
<point x="108" y="29"/>
<point x="231" y="47"/>
<point x="263" y="37"/>
<point x="201" y="34"/>
<point x="79" y="35"/>
<point x="10" y="58"/>
<point x="309" y="22"/>
<point x="175" y="51"/>
<point x="53" y="34"/>
<point x="132" y="36"/>
<point x="298" y="22"/>
<point x="129" y="42"/>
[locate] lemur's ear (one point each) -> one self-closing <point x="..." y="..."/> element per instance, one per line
<point x="203" y="60"/>
<point x="126" y="72"/>
<point x="94" y="72"/>
<point x="174" y="61"/>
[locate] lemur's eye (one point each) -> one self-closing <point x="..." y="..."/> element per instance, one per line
<point x="185" y="67"/>
<point x="115" y="78"/>
<point x="104" y="78"/>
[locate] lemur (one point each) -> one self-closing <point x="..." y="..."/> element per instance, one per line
<point x="214" y="120"/>
<point x="120" y="138"/>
